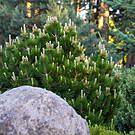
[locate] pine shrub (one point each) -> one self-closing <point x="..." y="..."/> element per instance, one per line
<point x="53" y="58"/>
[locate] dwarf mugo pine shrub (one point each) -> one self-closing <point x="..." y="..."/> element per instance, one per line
<point x="53" y="58"/>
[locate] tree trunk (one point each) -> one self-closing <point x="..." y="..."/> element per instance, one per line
<point x="130" y="60"/>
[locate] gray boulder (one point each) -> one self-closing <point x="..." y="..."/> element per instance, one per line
<point x="30" y="110"/>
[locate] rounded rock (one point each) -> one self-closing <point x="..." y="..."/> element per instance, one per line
<point x="30" y="110"/>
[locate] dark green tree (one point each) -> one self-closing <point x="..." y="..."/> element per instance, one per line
<point x="13" y="16"/>
<point x="123" y="32"/>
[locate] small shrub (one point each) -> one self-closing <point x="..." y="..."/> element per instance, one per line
<point x="53" y="58"/>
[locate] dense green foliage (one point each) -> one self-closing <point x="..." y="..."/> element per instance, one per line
<point x="125" y="119"/>
<point x="53" y="58"/>
<point x="128" y="84"/>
